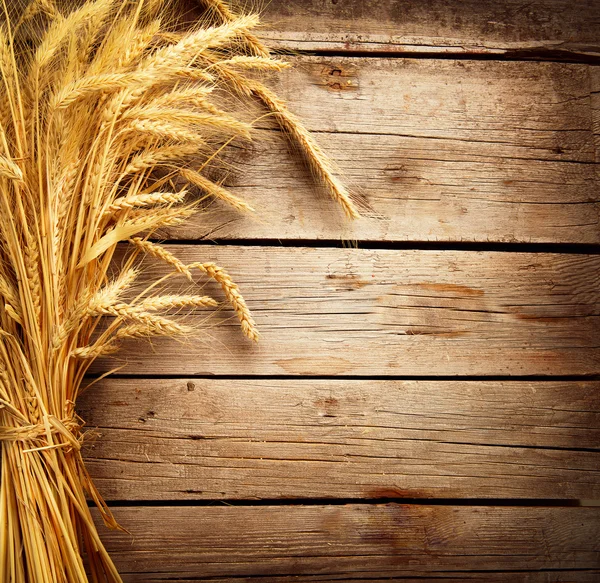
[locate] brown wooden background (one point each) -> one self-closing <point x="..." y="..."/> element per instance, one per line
<point x="425" y="402"/>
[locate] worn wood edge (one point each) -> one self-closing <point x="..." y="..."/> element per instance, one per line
<point x="352" y="541"/>
<point x="440" y="150"/>
<point x="243" y="439"/>
<point x="378" y="312"/>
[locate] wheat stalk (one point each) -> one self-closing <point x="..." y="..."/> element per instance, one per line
<point x="102" y="109"/>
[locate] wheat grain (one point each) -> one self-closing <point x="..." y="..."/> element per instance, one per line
<point x="316" y="159"/>
<point x="13" y="314"/>
<point x="233" y="294"/>
<point x="88" y="86"/>
<point x="164" y="129"/>
<point x="220" y="121"/>
<point x="139" y="43"/>
<point x="162" y="325"/>
<point x="112" y="291"/>
<point x="225" y="14"/>
<point x="161" y="253"/>
<point x="193" y="95"/>
<point x="196" y="43"/>
<point x="36" y="7"/>
<point x="152" y="157"/>
<point x="144" y="200"/>
<point x="255" y="62"/>
<point x="215" y="190"/>
<point x="8" y="291"/>
<point x="10" y="170"/>
<point x="169" y="302"/>
<point x="314" y="156"/>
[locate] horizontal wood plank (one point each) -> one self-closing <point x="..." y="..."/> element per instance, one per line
<point x="551" y="28"/>
<point x="563" y="576"/>
<point x="215" y="439"/>
<point x="441" y="151"/>
<point x="387" y="312"/>
<point x="538" y="29"/>
<point x="595" y="103"/>
<point x="356" y="542"/>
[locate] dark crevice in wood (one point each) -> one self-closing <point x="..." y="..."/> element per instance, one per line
<point x="520" y="502"/>
<point x="313" y="378"/>
<point x="441" y="575"/>
<point x="562" y="248"/>
<point x="552" y="56"/>
<point x="104" y="428"/>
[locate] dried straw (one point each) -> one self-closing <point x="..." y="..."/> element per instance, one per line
<point x="97" y="120"/>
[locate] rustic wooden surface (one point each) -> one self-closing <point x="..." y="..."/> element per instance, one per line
<point x="190" y="439"/>
<point x="356" y="541"/>
<point x="450" y="364"/>
<point x="443" y="150"/>
<point x="373" y="312"/>
<point x="551" y="28"/>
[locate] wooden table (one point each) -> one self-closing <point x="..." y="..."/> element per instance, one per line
<point x="424" y="404"/>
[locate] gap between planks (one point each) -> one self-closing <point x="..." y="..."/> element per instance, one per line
<point x="515" y="247"/>
<point x="479" y="502"/>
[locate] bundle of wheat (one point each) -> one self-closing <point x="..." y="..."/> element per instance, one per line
<point x="95" y="100"/>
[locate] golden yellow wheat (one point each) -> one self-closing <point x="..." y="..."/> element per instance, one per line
<point x="106" y="124"/>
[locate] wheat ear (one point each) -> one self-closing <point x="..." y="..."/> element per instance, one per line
<point x="234" y="296"/>
<point x="215" y="190"/>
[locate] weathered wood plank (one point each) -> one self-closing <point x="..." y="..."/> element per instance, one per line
<point x="442" y="150"/>
<point x="565" y="576"/>
<point x="215" y="439"/>
<point x="355" y="541"/>
<point x="542" y="27"/>
<point x="587" y="576"/>
<point x="538" y="29"/>
<point x="595" y="103"/>
<point x="389" y="312"/>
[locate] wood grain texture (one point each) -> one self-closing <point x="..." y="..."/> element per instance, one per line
<point x="235" y="439"/>
<point x="595" y="103"/>
<point x="565" y="576"/>
<point x="442" y="150"/>
<point x="551" y="28"/>
<point x="373" y="312"/>
<point x="355" y="541"/>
